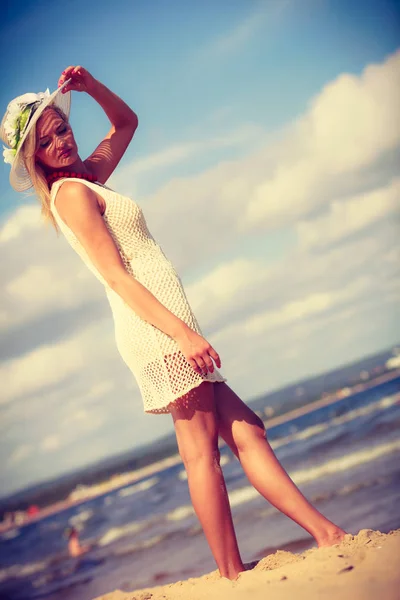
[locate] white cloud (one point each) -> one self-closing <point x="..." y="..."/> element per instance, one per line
<point x="354" y="119"/>
<point x="227" y="289"/>
<point x="350" y="216"/>
<point x="26" y="217"/>
<point x="98" y="390"/>
<point x="19" y="454"/>
<point x="296" y="175"/>
<point x="83" y="421"/>
<point x="49" y="365"/>
<point x="315" y="303"/>
<point x="45" y="276"/>
<point x="50" y="443"/>
<point x="44" y="366"/>
<point x="303" y="308"/>
<point x="352" y="122"/>
<point x="41" y="289"/>
<point x="176" y="154"/>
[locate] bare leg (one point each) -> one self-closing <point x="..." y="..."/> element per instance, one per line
<point x="244" y="432"/>
<point x="196" y="429"/>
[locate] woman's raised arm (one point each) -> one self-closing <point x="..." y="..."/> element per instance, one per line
<point x="124" y="121"/>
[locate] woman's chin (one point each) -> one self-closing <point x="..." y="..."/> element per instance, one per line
<point x="67" y="162"/>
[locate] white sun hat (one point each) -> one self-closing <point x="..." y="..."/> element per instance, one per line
<point x="21" y="115"/>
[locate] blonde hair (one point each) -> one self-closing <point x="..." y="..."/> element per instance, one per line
<point x="37" y="174"/>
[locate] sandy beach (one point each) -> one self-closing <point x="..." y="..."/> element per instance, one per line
<point x="362" y="567"/>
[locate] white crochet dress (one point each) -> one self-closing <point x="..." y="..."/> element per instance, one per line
<point x="160" y="369"/>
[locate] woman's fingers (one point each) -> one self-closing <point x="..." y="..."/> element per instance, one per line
<point x="198" y="352"/>
<point x="202" y="365"/>
<point x="215" y="356"/>
<point x="198" y="365"/>
<point x="195" y="366"/>
<point x="208" y="363"/>
<point x="78" y="76"/>
<point x="66" y="74"/>
<point x="205" y="364"/>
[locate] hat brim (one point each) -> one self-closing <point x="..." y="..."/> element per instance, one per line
<point x="20" y="179"/>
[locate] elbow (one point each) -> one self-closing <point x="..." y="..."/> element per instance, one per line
<point x="134" y="122"/>
<point x="128" y="122"/>
<point x="131" y="121"/>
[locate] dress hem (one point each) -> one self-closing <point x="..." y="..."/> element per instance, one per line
<point x="164" y="408"/>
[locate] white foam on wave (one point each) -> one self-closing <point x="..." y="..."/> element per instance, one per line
<point x="242" y="495"/>
<point x="336" y="465"/>
<point x="10" y="534"/>
<point x="362" y="411"/>
<point x="180" y="513"/>
<point x="345" y="462"/>
<point x="142" y="545"/>
<point x="17" y="571"/>
<point x="80" y="518"/>
<point x="115" y="533"/>
<point x="138" y="487"/>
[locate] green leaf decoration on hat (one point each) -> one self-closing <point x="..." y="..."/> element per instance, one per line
<point x="22" y="122"/>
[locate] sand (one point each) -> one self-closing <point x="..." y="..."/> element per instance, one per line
<point x="362" y="567"/>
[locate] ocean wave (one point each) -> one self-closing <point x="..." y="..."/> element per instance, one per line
<point x="115" y="533"/>
<point x="138" y="487"/>
<point x="344" y="463"/>
<point x="10" y="534"/>
<point x="248" y="493"/>
<point x="301" y="476"/>
<point x="19" y="571"/>
<point x="142" y="545"/>
<point x="245" y="494"/>
<point x="319" y="428"/>
<point x="180" y="513"/>
<point x="80" y="518"/>
<point x="351" y="488"/>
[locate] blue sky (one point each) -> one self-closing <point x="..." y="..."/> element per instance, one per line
<point x="264" y="163"/>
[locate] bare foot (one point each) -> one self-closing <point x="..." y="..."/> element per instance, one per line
<point x="331" y="537"/>
<point x="233" y="575"/>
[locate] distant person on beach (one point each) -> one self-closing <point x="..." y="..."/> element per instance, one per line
<point x="74" y="546"/>
<point x="156" y="332"/>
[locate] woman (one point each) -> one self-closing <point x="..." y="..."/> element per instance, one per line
<point x="156" y="331"/>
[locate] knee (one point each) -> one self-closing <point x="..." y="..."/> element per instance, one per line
<point x="204" y="454"/>
<point x="254" y="432"/>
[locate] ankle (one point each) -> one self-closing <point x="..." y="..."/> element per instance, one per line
<point x="329" y="536"/>
<point x="232" y="571"/>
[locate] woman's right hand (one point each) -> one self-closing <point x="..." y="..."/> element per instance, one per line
<point x="197" y="351"/>
<point x="81" y="79"/>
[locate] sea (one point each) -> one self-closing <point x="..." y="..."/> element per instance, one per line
<point x="345" y="458"/>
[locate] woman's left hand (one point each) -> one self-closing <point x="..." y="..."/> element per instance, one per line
<point x="81" y="79"/>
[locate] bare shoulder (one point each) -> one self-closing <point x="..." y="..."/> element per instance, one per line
<point x="76" y="201"/>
